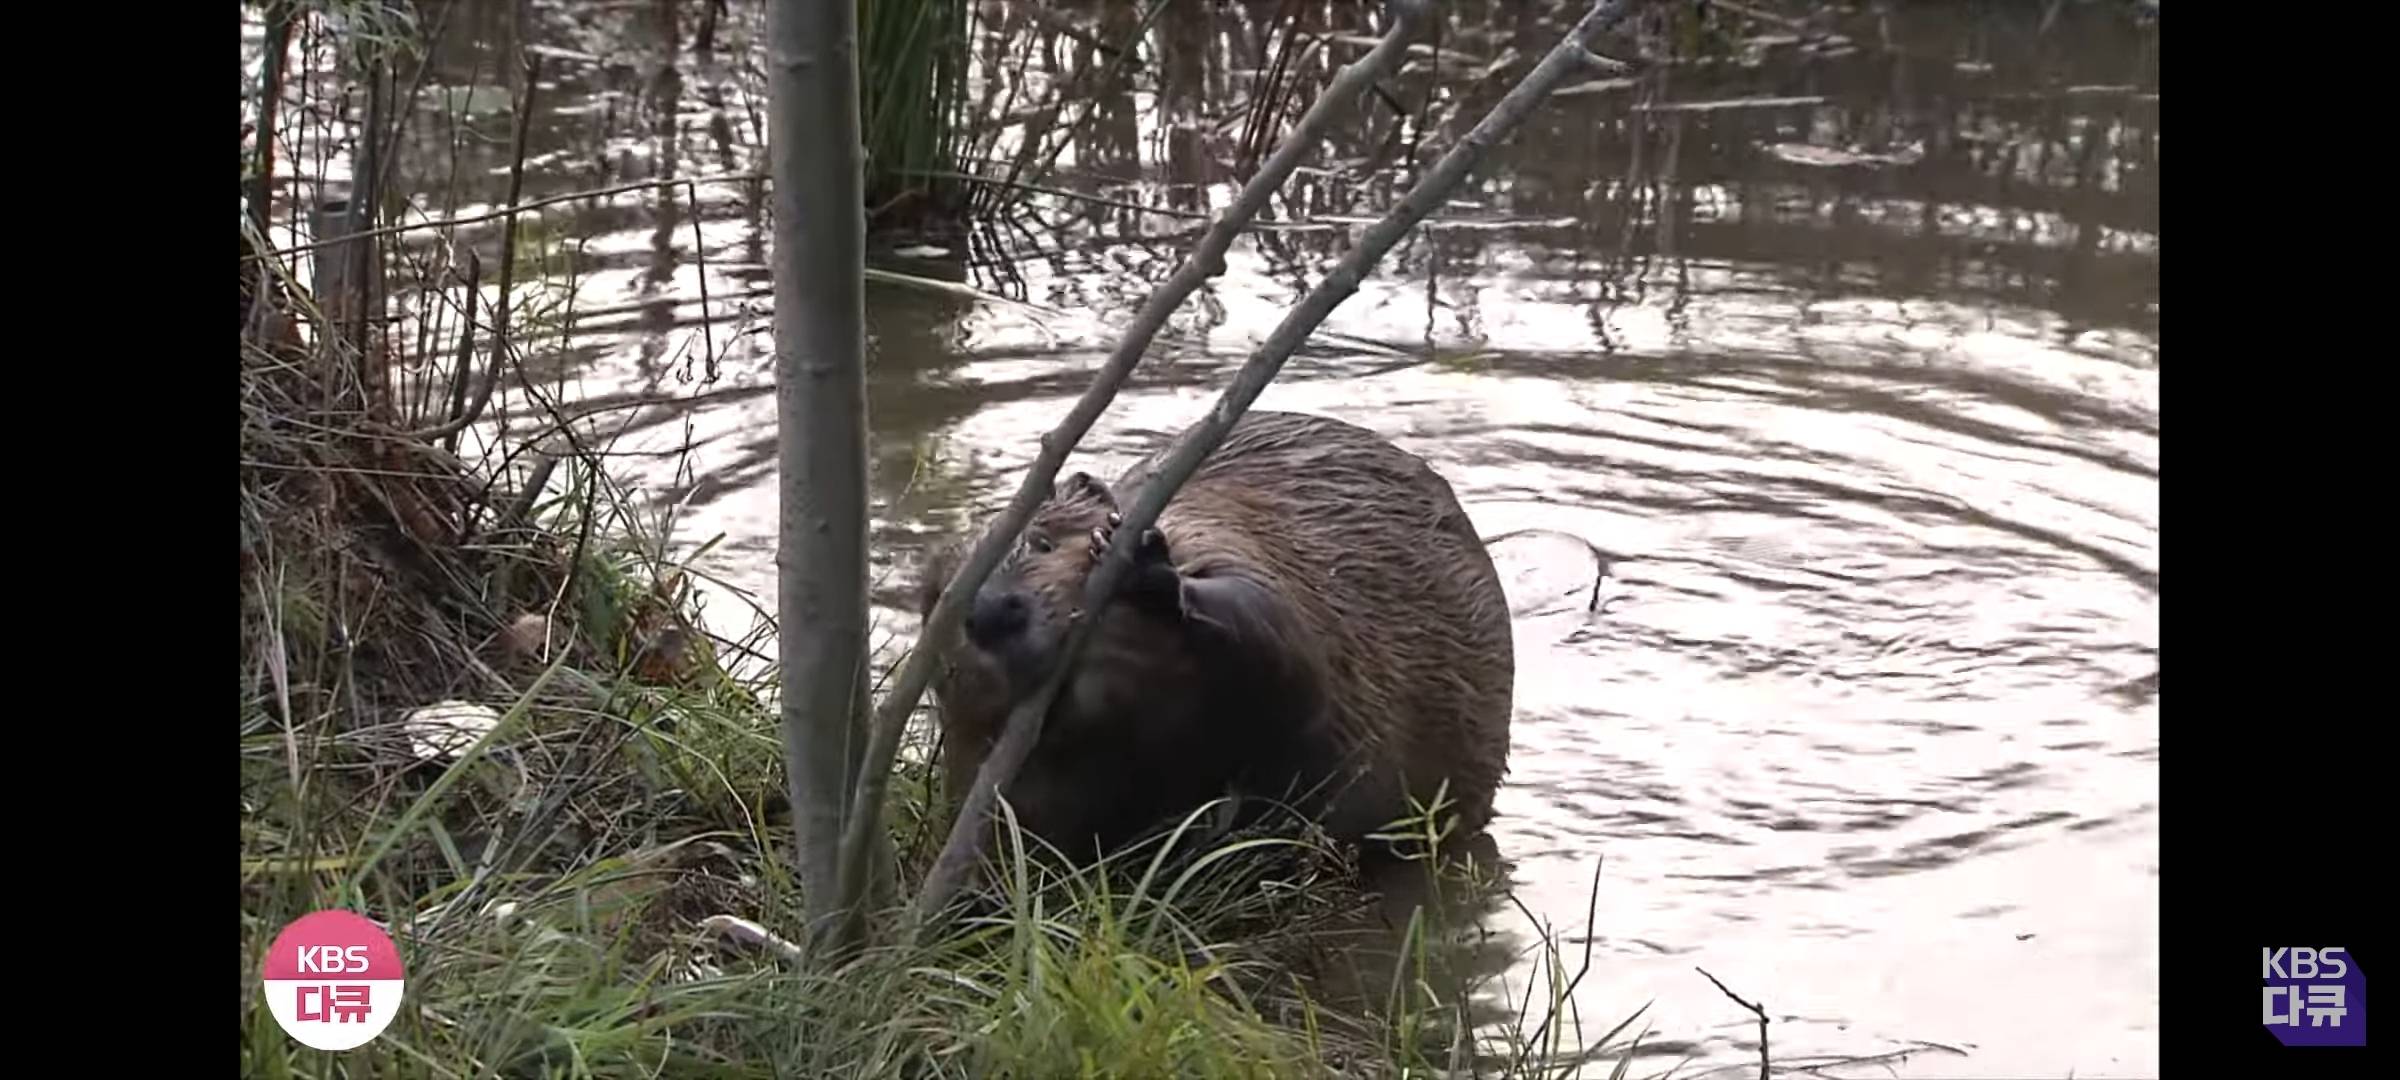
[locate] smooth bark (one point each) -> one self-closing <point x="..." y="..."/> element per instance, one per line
<point x="815" y="159"/>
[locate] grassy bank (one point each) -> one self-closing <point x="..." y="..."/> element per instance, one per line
<point x="587" y="876"/>
<point x="477" y="707"/>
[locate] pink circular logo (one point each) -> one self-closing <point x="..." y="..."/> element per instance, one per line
<point x="333" y="980"/>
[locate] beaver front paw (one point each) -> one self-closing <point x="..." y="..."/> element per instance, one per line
<point x="1152" y="550"/>
<point x="1153" y="585"/>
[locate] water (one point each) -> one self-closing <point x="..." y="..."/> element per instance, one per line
<point x="1844" y="349"/>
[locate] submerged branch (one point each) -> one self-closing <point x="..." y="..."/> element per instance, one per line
<point x="1754" y="1008"/>
<point x="1602" y="565"/>
<point x="1023" y="726"/>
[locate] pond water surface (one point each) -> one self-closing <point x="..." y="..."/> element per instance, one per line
<point x="1843" y="346"/>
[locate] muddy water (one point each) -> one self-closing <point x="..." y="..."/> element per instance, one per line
<point x="1842" y="346"/>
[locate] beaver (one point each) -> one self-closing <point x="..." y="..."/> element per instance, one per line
<point x="1313" y="621"/>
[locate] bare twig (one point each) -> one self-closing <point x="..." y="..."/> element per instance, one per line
<point x="1091" y="40"/>
<point x="1762" y="15"/>
<point x="462" y="372"/>
<point x="1816" y="1066"/>
<point x="1095" y="95"/>
<point x="520" y="512"/>
<point x="1754" y="1008"/>
<point x="1044" y="189"/>
<point x="508" y="267"/>
<point x="1591" y="912"/>
<point x="1267" y="97"/>
<point x="708" y="340"/>
<point x="704" y="39"/>
<point x="366" y="262"/>
<point x="270" y="95"/>
<point x="1023" y="727"/>
<point x="746" y="932"/>
<point x="1601" y="564"/>
<point x="1207" y="261"/>
<point x="513" y="207"/>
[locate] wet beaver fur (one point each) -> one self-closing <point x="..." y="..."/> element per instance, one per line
<point x="1313" y="622"/>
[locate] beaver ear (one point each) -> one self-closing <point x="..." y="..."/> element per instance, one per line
<point x="1083" y="486"/>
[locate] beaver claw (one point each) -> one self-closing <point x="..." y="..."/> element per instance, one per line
<point x="1153" y="544"/>
<point x="1153" y="585"/>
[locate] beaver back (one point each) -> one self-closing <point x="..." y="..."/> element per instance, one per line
<point x="1380" y="563"/>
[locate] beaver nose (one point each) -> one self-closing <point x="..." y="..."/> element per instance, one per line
<point x="997" y="617"/>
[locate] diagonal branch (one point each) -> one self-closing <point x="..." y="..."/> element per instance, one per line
<point x="1755" y="1009"/>
<point x="1023" y="727"/>
<point x="1206" y="262"/>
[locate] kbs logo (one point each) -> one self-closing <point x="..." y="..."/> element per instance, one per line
<point x="2315" y="997"/>
<point x="333" y="980"/>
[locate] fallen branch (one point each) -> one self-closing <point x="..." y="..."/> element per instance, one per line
<point x="1601" y="563"/>
<point x="1206" y="262"/>
<point x="742" y="931"/>
<point x="1024" y="725"/>
<point x="1753" y="1007"/>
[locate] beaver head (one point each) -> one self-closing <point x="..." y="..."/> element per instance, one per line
<point x="1020" y="616"/>
<point x="1326" y="632"/>
<point x="1155" y="718"/>
<point x="1017" y="625"/>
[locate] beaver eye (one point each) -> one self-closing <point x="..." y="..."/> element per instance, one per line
<point x="1040" y="544"/>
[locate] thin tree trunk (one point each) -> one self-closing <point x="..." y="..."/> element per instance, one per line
<point x="819" y="241"/>
<point x="1022" y="730"/>
<point x="366" y="254"/>
<point x="270" y="98"/>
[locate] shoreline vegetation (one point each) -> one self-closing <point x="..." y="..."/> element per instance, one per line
<point x="489" y="721"/>
<point x="479" y="708"/>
